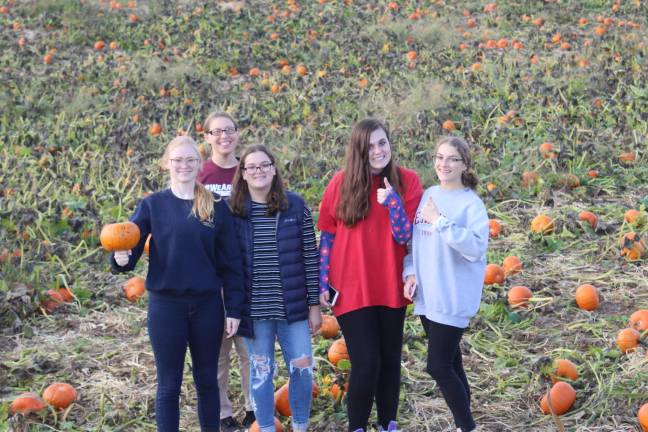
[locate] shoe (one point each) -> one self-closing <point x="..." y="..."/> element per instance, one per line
<point x="229" y="424"/>
<point x="249" y="419"/>
<point x="391" y="427"/>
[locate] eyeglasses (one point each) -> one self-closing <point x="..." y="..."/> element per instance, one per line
<point x="451" y="159"/>
<point x="179" y="162"/>
<point x="219" y="132"/>
<point x="264" y="168"/>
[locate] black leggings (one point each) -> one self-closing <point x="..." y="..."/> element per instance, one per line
<point x="445" y="366"/>
<point x="374" y="338"/>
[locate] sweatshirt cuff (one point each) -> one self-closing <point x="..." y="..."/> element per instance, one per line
<point x="441" y="223"/>
<point x="233" y="314"/>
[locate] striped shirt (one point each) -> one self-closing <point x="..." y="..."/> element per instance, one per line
<point x="267" y="291"/>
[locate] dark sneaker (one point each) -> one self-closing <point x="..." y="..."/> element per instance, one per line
<point x="229" y="424"/>
<point x="249" y="419"/>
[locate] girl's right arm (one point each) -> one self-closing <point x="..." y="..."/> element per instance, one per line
<point x="124" y="261"/>
<point x="326" y="243"/>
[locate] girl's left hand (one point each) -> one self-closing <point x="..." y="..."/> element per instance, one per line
<point x="314" y="318"/>
<point x="231" y="326"/>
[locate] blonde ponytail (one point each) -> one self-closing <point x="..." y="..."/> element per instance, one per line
<point x="203" y="205"/>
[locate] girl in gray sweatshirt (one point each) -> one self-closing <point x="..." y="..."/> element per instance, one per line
<point x="444" y="271"/>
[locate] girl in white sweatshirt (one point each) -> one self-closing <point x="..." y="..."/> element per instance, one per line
<point x="444" y="272"/>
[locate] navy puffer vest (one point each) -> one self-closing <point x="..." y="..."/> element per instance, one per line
<point x="290" y="224"/>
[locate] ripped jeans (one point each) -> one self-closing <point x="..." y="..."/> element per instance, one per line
<point x="294" y="339"/>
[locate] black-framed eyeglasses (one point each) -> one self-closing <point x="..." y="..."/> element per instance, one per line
<point x="451" y="159"/>
<point x="264" y="167"/>
<point x="218" y="132"/>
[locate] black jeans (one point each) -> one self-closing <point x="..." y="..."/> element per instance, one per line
<point x="445" y="366"/>
<point x="175" y="324"/>
<point x="374" y="338"/>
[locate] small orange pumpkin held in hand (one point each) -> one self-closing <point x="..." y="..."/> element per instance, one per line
<point x="564" y="368"/>
<point x="511" y="265"/>
<point x="494" y="274"/>
<point x="338" y="351"/>
<point x="330" y="327"/>
<point x="562" y="396"/>
<point x="119" y="236"/>
<point x="134" y="288"/>
<point x="27" y="403"/>
<point x="277" y="423"/>
<point x="627" y="340"/>
<point x="494" y="228"/>
<point x="639" y="320"/>
<point x="642" y="416"/>
<point x="542" y="224"/>
<point x="60" y="395"/>
<point x="518" y="296"/>
<point x="587" y="297"/>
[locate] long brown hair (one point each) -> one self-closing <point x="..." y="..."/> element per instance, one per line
<point x="469" y="176"/>
<point x="240" y="193"/>
<point x="203" y="204"/>
<point x="356" y="186"/>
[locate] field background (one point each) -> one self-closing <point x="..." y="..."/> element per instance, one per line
<point x="78" y="149"/>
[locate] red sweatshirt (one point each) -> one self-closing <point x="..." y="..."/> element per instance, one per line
<point x="366" y="263"/>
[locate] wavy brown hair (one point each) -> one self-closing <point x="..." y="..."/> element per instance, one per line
<point x="469" y="176"/>
<point x="203" y="203"/>
<point x="353" y="205"/>
<point x="240" y="193"/>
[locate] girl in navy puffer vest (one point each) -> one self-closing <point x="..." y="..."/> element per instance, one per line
<point x="281" y="264"/>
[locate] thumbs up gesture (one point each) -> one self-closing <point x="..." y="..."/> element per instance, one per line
<point x="383" y="193"/>
<point x="430" y="211"/>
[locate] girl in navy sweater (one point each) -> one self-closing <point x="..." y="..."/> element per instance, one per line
<point x="280" y="261"/>
<point x="194" y="266"/>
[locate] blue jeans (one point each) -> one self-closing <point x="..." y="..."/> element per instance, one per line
<point x="295" y="342"/>
<point x="173" y="324"/>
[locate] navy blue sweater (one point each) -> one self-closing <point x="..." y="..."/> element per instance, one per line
<point x="188" y="257"/>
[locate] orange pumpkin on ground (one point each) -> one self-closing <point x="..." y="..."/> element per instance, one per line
<point x="518" y="296"/>
<point x="511" y="265"/>
<point x="542" y="224"/>
<point x="27" y="403"/>
<point x="330" y="327"/>
<point x="639" y="320"/>
<point x="633" y="216"/>
<point x="60" y="395"/>
<point x="119" y="236"/>
<point x="632" y="246"/>
<point x="494" y="228"/>
<point x="547" y="150"/>
<point x="255" y="426"/>
<point x="335" y="391"/>
<point x="642" y="416"/>
<point x="529" y="178"/>
<point x="134" y="288"/>
<point x="589" y="217"/>
<point x="338" y="351"/>
<point x="494" y="274"/>
<point x="282" y="404"/>
<point x="564" y="368"/>
<point x="52" y="300"/>
<point x="562" y="397"/>
<point x="627" y="340"/>
<point x="587" y="297"/>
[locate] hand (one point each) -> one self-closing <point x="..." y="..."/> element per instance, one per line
<point x="324" y="299"/>
<point x="121" y="257"/>
<point x="430" y="212"/>
<point x="314" y="319"/>
<point x="231" y="326"/>
<point x="410" y="287"/>
<point x="384" y="193"/>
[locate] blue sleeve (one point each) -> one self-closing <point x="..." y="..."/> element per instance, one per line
<point x="400" y="226"/>
<point x="326" y="243"/>
<point x="311" y="258"/>
<point x="230" y="263"/>
<point x="141" y="218"/>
